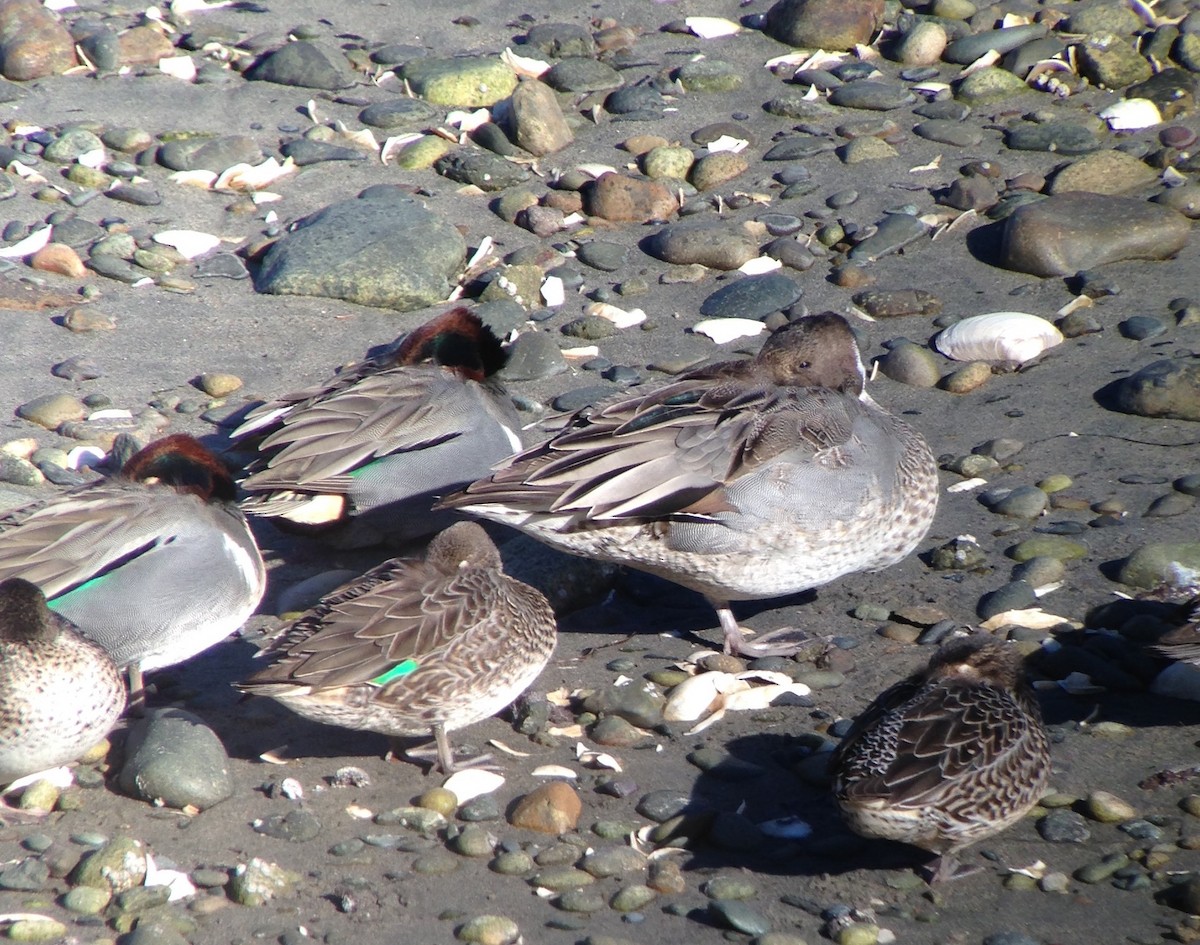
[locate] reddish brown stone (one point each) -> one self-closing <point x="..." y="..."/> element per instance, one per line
<point x="144" y="46"/>
<point x="825" y="24"/>
<point x="33" y="43"/>
<point x="628" y="199"/>
<point x="551" y="808"/>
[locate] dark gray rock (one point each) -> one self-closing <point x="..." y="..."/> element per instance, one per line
<point x="209" y="154"/>
<point x="172" y="757"/>
<point x="894" y="232"/>
<point x="1169" y="388"/>
<point x="401" y="114"/>
<point x="752" y="297"/>
<point x="488" y="172"/>
<point x="381" y="248"/>
<point x="305" y="65"/>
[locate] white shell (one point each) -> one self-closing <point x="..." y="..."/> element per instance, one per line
<point x="28" y="246"/>
<point x="471" y="783"/>
<point x="728" y="143"/>
<point x="618" y="316"/>
<point x="724" y="330"/>
<point x="178" y="67"/>
<point x="188" y="243"/>
<point x="553" y="292"/>
<point x="711" y="27"/>
<point x="760" y="264"/>
<point x="555" y="771"/>
<point x="998" y="336"/>
<point x="1130" y="114"/>
<point x="524" y="65"/>
<point x="245" y="177"/>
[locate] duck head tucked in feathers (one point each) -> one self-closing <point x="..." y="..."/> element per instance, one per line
<point x="744" y="479"/>
<point x="155" y="563"/>
<point x="415" y="646"/>
<point x="951" y="755"/>
<point x="60" y="694"/>
<point x="360" y="459"/>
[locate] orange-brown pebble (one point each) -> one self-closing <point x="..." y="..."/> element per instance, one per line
<point x="60" y="258"/>
<point x="551" y="808"/>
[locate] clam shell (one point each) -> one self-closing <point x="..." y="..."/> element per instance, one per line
<point x="1130" y="114"/>
<point x="471" y="783"/>
<point x="998" y="336"/>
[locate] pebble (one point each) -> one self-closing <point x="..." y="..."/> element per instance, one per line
<point x="582" y="74"/>
<point x="1016" y="595"/>
<point x="824" y="24"/>
<point x="911" y="364"/>
<point x="295" y="826"/>
<point x="739" y="916"/>
<point x="716" y="247"/>
<point x="1107" y="808"/>
<point x="1168" y="388"/>
<point x="623" y="199"/>
<point x="752" y="297"/>
<point x="1153" y="563"/>
<point x="174" y="758"/>
<point x="538" y="123"/>
<point x="382" y="249"/>
<point x="115" y="866"/>
<point x="1063" y="826"/>
<point x="552" y="808"/>
<point x="662" y="805"/>
<point x="1068" y="232"/>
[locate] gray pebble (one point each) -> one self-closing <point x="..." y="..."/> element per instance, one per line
<point x="1016" y="595"/>
<point x="752" y="297"/>
<point x="1063" y="826"/>
<point x="296" y="826"/>
<point x="1142" y="327"/>
<point x="739" y="916"/>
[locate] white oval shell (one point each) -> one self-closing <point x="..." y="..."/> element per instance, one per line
<point x="998" y="336"/>
<point x="1130" y="114"/>
<point x="471" y="783"/>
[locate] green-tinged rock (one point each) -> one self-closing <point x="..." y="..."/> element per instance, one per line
<point x="86" y="900"/>
<point x="632" y="898"/>
<point x="42" y="929"/>
<point x="467" y="82"/>
<point x="859" y="933"/>
<point x="421" y="153"/>
<point x="1108" y="808"/>
<point x="709" y="75"/>
<point x="988" y="85"/>
<point x="258" y="881"/>
<point x="174" y="758"/>
<point x="668" y="161"/>
<point x="729" y="887"/>
<point x="489" y="930"/>
<point x="118" y="865"/>
<point x="1153" y="564"/>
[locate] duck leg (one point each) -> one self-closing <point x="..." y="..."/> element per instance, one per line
<point x="439" y="754"/>
<point x="947" y="868"/>
<point x="786" y="641"/>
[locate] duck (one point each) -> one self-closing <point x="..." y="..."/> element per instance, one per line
<point x="359" y="459"/>
<point x="155" y="563"/>
<point x="953" y="754"/>
<point x="60" y="693"/>
<point x="1182" y="642"/>
<point x="743" y="480"/>
<point x="415" y="646"/>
